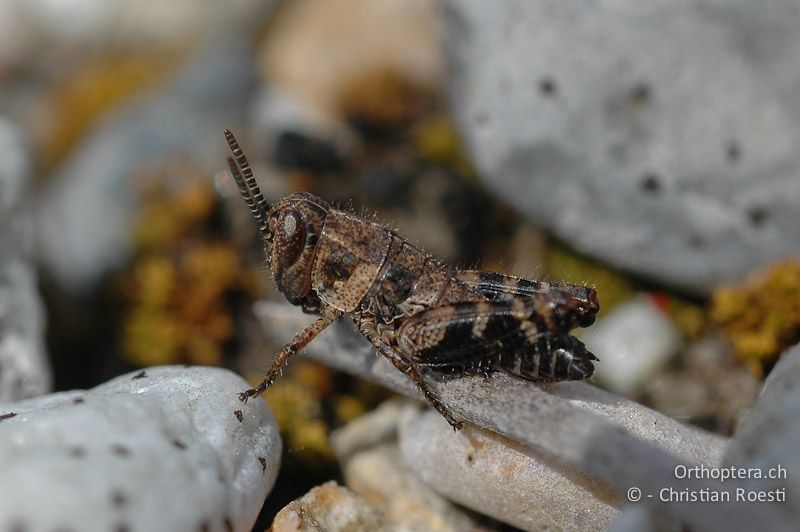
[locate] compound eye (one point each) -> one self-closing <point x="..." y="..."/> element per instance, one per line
<point x="290" y="237"/>
<point x="289" y="224"/>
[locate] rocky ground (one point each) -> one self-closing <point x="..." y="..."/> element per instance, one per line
<point x="648" y="151"/>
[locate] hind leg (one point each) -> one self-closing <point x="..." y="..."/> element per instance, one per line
<point x="369" y="329"/>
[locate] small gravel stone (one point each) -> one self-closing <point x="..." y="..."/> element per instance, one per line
<point x="633" y="342"/>
<point x="382" y="475"/>
<point x="381" y="36"/>
<point x="374" y="468"/>
<point x="369" y="430"/>
<point x="162" y="452"/>
<point x="332" y="508"/>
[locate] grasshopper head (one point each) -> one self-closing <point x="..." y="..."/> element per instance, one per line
<point x="294" y="227"/>
<point x="289" y="229"/>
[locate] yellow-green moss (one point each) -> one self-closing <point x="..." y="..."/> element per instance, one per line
<point x="435" y="138"/>
<point x="167" y="216"/>
<point x="299" y="414"/>
<point x="761" y="317"/>
<point x="347" y="408"/>
<point x="310" y="400"/>
<point x="690" y="318"/>
<point x="184" y="279"/>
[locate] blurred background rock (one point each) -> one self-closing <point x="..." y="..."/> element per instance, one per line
<point x="649" y="151"/>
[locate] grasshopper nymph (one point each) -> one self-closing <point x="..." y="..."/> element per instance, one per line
<point x="422" y="316"/>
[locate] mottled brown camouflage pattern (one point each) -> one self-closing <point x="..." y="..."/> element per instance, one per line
<point x="422" y="316"/>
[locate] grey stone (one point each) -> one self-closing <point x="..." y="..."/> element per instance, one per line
<point x="769" y="437"/>
<point x="612" y="440"/>
<point x="367" y="431"/>
<point x="495" y="476"/>
<point x="84" y="218"/>
<point x="24" y="370"/>
<point x="659" y="136"/>
<point x="760" y="461"/>
<point x="157" y="450"/>
<point x="49" y="28"/>
<point x="642" y="518"/>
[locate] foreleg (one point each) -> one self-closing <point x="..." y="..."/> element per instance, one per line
<point x="297" y="343"/>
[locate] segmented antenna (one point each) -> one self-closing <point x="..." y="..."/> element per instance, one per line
<point x="246" y="182"/>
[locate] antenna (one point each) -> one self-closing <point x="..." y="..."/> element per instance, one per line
<point x="243" y="175"/>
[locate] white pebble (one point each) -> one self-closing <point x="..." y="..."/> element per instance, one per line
<point x="155" y="450"/>
<point x="632" y="343"/>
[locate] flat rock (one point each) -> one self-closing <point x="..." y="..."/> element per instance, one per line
<point x="661" y="137"/>
<point x="501" y="478"/>
<point x="24" y="370"/>
<point x="160" y="449"/>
